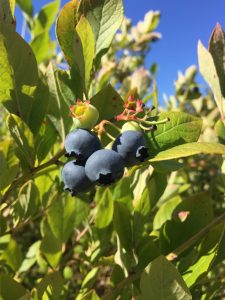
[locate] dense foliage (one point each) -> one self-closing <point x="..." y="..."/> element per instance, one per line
<point x="156" y="233"/>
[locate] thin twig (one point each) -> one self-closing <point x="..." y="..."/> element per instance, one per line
<point x="190" y="242"/>
<point x="30" y="174"/>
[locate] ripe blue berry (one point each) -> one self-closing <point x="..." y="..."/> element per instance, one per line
<point x="81" y="143"/>
<point x="104" y="167"/>
<point x="131" y="146"/>
<point x="75" y="179"/>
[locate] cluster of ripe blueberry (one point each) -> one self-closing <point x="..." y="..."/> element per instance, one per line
<point x="94" y="165"/>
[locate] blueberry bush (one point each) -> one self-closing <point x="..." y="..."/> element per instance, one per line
<point x="104" y="193"/>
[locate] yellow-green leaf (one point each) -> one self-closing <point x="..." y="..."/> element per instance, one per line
<point x="24" y="140"/>
<point x="16" y="84"/>
<point x="189" y="149"/>
<point x="180" y="129"/>
<point x="86" y="36"/>
<point x="105" y="17"/>
<point x="162" y="281"/>
<point x="209" y="72"/>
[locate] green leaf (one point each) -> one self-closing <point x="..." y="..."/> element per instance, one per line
<point x="31" y="257"/>
<point x="217" y="50"/>
<point x="77" y="42"/>
<point x="61" y="217"/>
<point x="51" y="246"/>
<point x="24" y="141"/>
<point x="43" y="47"/>
<point x="189" y="150"/>
<point x="220" y="131"/>
<point x="65" y="30"/>
<point x="16" y="85"/>
<point x="209" y="72"/>
<point x="105" y="17"/>
<point x="90" y="279"/>
<point x="104" y="213"/>
<point x="122" y="192"/>
<point x="86" y="38"/>
<point x="28" y="201"/>
<point x="39" y="107"/>
<point x="197" y="211"/>
<point x="58" y="106"/>
<point x="7" y="12"/>
<point x="165" y="212"/>
<point x="9" y="163"/>
<point x="108" y="103"/>
<point x="167" y="166"/>
<point x="12" y="255"/>
<point x="45" y="182"/>
<point x="51" y="284"/>
<point x="26" y="6"/>
<point x="207" y="253"/>
<point x="162" y="281"/>
<point x="44" y="20"/>
<point x="70" y="44"/>
<point x="155" y="187"/>
<point x="145" y="251"/>
<point x="45" y="140"/>
<point x="82" y="210"/>
<point x="10" y="289"/>
<point x="91" y="295"/>
<point x="122" y="225"/>
<point x="3" y="224"/>
<point x="180" y="129"/>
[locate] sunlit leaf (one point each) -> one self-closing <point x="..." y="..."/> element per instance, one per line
<point x="217" y="50"/>
<point x="162" y="281"/>
<point x="26" y="6"/>
<point x="16" y="85"/>
<point x="45" y="18"/>
<point x="12" y="255"/>
<point x="23" y="138"/>
<point x="104" y="213"/>
<point x="180" y="129"/>
<point x="52" y="285"/>
<point x="105" y="17"/>
<point x="108" y="102"/>
<point x="207" y="253"/>
<point x="189" y="149"/>
<point x="209" y="72"/>
<point x="122" y="225"/>
<point x="86" y="38"/>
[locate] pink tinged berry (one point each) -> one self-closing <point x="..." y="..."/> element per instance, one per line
<point x="85" y="115"/>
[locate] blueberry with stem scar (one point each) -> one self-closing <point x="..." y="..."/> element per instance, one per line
<point x="104" y="167"/>
<point x="81" y="143"/>
<point x="131" y="146"/>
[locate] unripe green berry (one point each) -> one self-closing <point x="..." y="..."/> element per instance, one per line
<point x="85" y="115"/>
<point x="67" y="273"/>
<point x="131" y="126"/>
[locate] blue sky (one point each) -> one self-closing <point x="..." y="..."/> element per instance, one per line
<point x="182" y="24"/>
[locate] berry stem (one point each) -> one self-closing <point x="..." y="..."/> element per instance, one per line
<point x="111" y="124"/>
<point x="109" y="136"/>
<point x="143" y="120"/>
<point x="100" y="129"/>
<point x="151" y="128"/>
